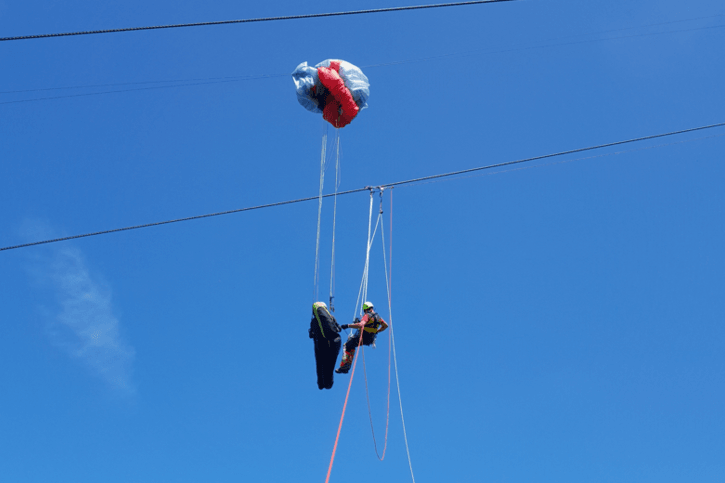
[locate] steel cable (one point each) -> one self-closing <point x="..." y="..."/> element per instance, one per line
<point x="249" y="20"/>
<point x="367" y="188"/>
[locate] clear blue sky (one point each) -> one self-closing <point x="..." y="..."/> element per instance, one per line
<point x="561" y="323"/>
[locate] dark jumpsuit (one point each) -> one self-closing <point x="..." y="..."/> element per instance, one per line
<point x="325" y="332"/>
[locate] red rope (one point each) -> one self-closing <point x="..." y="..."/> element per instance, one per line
<point x="339" y="428"/>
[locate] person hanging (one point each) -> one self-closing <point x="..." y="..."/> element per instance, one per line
<point x="371" y="325"/>
<point x="325" y="332"/>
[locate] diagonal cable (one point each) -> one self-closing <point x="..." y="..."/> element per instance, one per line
<point x="367" y="188"/>
<point x="250" y="20"/>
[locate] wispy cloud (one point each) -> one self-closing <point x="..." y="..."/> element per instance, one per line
<point x="85" y="325"/>
<point x="82" y="322"/>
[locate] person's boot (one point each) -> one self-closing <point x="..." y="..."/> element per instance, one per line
<point x="345" y="363"/>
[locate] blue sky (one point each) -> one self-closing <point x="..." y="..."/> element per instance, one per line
<point x="562" y="322"/>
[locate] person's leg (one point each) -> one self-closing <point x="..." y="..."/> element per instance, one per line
<point x="352" y="341"/>
<point x="347" y="357"/>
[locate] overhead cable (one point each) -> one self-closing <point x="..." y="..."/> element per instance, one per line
<point x="482" y="51"/>
<point x="230" y="78"/>
<point x="368" y="188"/>
<point x="546" y="156"/>
<point x="251" y="20"/>
<point x="474" y="52"/>
<point x="167" y="84"/>
<point x="85" y="94"/>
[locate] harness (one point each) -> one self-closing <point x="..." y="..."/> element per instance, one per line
<point x="373" y="323"/>
<point x="319" y="322"/>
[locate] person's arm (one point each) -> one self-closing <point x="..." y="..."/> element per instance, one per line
<point x="383" y="326"/>
<point x="357" y="325"/>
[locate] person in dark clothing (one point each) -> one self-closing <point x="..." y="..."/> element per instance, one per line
<point x="325" y="332"/>
<point x="371" y="324"/>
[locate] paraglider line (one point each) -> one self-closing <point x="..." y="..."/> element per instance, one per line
<point x="334" y="220"/>
<point x="367" y="188"/>
<point x="319" y="210"/>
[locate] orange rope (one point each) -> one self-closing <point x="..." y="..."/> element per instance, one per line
<point x="354" y="364"/>
<point x="339" y="428"/>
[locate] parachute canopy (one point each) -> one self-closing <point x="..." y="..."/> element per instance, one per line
<point x="335" y="88"/>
